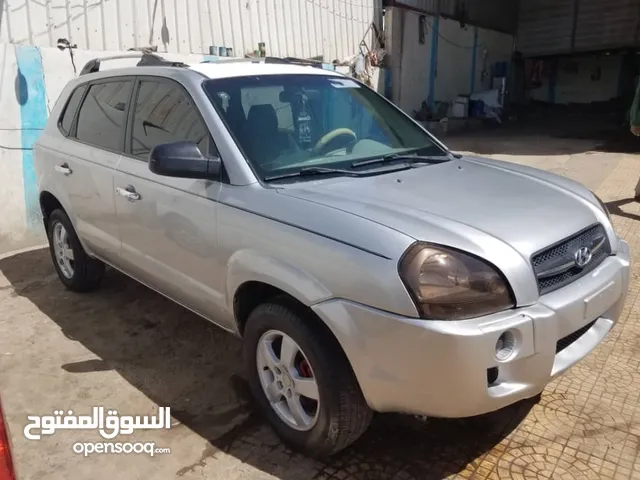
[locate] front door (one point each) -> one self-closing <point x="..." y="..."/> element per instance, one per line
<point x="168" y="225"/>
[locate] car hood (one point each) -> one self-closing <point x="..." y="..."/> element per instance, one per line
<point x="458" y="202"/>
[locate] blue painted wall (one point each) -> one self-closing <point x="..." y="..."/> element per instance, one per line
<point x="433" y="67"/>
<point x="474" y="61"/>
<point x="31" y="94"/>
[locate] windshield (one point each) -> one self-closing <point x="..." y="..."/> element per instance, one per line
<point x="285" y="123"/>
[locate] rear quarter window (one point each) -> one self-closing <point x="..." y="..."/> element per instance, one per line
<point x="69" y="112"/>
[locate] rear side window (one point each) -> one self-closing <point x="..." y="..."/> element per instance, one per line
<point x="66" y="120"/>
<point x="102" y="116"/>
<point x="164" y="113"/>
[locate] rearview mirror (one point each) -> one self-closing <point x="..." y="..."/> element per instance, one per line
<point x="183" y="160"/>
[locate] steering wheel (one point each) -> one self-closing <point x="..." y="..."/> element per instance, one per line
<point x="346" y="134"/>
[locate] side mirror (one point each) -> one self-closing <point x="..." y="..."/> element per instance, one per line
<point x="183" y="160"/>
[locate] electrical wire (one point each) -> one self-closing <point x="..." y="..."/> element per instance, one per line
<point x="346" y="4"/>
<point x="319" y="3"/>
<point x="445" y="39"/>
<point x="462" y="47"/>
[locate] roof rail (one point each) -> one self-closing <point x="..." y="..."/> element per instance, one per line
<point x="146" y="60"/>
<point x="235" y="60"/>
<point x="279" y="60"/>
<point x="294" y="61"/>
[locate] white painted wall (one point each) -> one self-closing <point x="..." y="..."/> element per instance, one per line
<point x="411" y="60"/>
<point x="577" y="80"/>
<point x="498" y="47"/>
<point x="12" y="204"/>
<point x="455" y="55"/>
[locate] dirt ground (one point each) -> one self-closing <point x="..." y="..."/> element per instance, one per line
<point x="127" y="348"/>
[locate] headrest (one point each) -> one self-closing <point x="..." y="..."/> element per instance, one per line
<point x="263" y="114"/>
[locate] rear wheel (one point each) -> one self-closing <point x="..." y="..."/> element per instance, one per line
<point x="302" y="381"/>
<point x="76" y="270"/>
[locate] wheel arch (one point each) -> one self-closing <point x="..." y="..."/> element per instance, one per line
<point x="253" y="276"/>
<point x="253" y="293"/>
<point x="48" y="203"/>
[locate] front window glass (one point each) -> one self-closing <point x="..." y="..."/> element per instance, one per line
<point x="163" y="114"/>
<point x="284" y="123"/>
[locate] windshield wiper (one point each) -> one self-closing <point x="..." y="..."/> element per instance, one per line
<point x="401" y="156"/>
<point x="315" y="171"/>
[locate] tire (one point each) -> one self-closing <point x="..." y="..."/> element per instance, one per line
<point x="341" y="414"/>
<point x="86" y="273"/>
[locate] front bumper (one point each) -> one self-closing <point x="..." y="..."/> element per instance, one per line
<point x="438" y="368"/>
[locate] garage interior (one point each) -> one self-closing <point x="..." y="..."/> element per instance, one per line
<point x="576" y="65"/>
<point x="573" y="65"/>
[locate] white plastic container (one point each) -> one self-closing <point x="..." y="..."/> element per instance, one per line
<point x="460" y="107"/>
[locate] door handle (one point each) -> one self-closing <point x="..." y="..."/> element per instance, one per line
<point x="129" y="193"/>
<point x="64" y="169"/>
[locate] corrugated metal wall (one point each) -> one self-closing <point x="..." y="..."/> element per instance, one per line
<point x="304" y="28"/>
<point x="498" y="15"/>
<point x="547" y="27"/>
<point x="607" y="23"/>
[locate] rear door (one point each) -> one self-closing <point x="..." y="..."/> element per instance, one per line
<point x="95" y="139"/>
<point x="168" y="225"/>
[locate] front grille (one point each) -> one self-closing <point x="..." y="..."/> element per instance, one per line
<point x="556" y="266"/>
<point x="572" y="337"/>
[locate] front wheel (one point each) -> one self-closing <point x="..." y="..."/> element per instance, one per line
<point x="76" y="270"/>
<point x="302" y="381"/>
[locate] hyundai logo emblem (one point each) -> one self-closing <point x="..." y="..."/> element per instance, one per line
<point x="583" y="257"/>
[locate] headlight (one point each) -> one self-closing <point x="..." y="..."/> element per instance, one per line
<point x="602" y="205"/>
<point x="450" y="285"/>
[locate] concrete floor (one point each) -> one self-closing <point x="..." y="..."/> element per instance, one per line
<point x="127" y="348"/>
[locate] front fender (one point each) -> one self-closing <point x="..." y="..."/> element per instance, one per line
<point x="252" y="265"/>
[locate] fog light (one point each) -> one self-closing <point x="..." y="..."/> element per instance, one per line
<point x="505" y="346"/>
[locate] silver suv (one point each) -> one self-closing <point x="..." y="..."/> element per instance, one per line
<point x="365" y="266"/>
